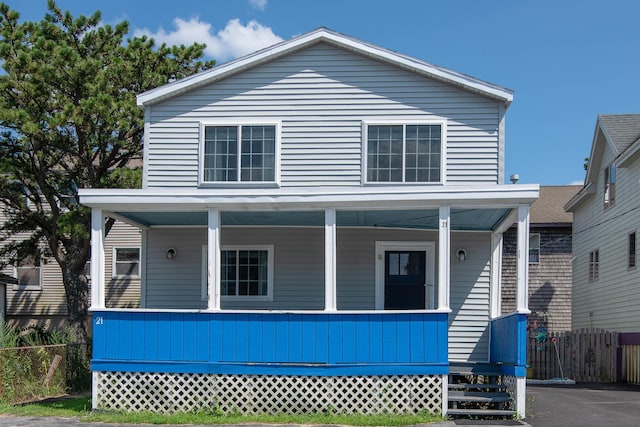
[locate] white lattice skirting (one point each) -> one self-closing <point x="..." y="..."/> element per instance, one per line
<point x="270" y="394"/>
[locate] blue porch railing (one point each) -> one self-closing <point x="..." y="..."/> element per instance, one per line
<point x="271" y="343"/>
<point x="509" y="343"/>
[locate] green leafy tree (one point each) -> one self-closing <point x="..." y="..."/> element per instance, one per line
<point x="69" y="120"/>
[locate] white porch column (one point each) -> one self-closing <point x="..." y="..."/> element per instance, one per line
<point x="213" y="257"/>
<point x="496" y="273"/>
<point x="97" y="259"/>
<point x="444" y="258"/>
<point x="330" y="300"/>
<point x="522" y="260"/>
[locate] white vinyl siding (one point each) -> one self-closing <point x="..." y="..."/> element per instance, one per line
<point x="321" y="96"/>
<point x="611" y="302"/>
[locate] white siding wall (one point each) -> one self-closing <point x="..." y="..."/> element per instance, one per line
<point x="470" y="298"/>
<point x="321" y="96"/>
<point x="614" y="298"/>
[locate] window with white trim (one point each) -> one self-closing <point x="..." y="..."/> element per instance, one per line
<point x="594" y="265"/>
<point x="610" y="186"/>
<point x="126" y="263"/>
<point x="404" y="153"/>
<point x="631" y="251"/>
<point x="534" y="248"/>
<point x="29" y="274"/>
<point x="246" y="272"/>
<point x="239" y="153"/>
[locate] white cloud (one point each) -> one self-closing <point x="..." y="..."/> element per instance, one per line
<point x="232" y="41"/>
<point x="258" y="4"/>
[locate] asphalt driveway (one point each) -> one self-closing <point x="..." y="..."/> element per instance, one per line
<point x="583" y="405"/>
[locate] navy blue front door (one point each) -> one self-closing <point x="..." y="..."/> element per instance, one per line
<point x="404" y="280"/>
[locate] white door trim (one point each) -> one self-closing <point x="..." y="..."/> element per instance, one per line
<point x="430" y="253"/>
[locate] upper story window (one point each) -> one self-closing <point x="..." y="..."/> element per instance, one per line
<point x="609" y="186"/>
<point x="239" y="153"/>
<point x="534" y="248"/>
<point x="404" y="153"/>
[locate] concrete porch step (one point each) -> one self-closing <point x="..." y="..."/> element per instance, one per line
<point x="482" y="412"/>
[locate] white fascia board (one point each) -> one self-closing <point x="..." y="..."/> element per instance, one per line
<point x="395" y="197"/>
<point x="322" y="34"/>
<point x="585" y="191"/>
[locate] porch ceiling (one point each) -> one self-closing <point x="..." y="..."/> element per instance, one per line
<point x="461" y="219"/>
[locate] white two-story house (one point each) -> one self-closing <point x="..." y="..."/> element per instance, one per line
<point x="321" y="228"/>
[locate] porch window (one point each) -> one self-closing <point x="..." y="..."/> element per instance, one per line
<point x="29" y="274"/>
<point x="609" y="186"/>
<point x="246" y="272"/>
<point x="404" y="153"/>
<point x="534" y="248"/>
<point x="126" y="263"/>
<point x="631" y="251"/>
<point x="594" y="265"/>
<point x="242" y="153"/>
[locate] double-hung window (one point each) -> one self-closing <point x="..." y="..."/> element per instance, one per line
<point x="404" y="153"/>
<point x="246" y="272"/>
<point x="29" y="274"/>
<point x="534" y="248"/>
<point x="239" y="153"/>
<point x="126" y="263"/>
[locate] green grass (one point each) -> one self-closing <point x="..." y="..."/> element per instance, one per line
<point x="81" y="408"/>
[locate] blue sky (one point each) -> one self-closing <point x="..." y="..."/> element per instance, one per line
<point x="567" y="61"/>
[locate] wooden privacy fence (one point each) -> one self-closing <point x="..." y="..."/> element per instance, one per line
<point x="584" y="355"/>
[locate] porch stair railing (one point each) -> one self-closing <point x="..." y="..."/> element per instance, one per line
<point x="478" y="391"/>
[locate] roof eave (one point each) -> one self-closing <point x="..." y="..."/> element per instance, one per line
<point x="585" y="192"/>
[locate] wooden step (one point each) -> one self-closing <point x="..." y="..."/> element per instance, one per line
<point x="475" y="386"/>
<point x="482" y="412"/>
<point x="478" y="397"/>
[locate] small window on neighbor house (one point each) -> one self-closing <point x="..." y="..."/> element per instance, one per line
<point x="404" y="153"/>
<point x="239" y="153"/>
<point x="594" y="265"/>
<point x="534" y="248"/>
<point x="126" y="262"/>
<point x="609" y="186"/>
<point x="631" y="263"/>
<point x="29" y="274"/>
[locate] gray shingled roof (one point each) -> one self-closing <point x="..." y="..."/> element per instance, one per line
<point x="549" y="208"/>
<point x="623" y="129"/>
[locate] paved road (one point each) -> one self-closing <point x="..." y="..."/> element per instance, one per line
<point x="583" y="405"/>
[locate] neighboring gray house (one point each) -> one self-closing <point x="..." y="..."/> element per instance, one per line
<point x="606" y="218"/>
<point x="321" y="228"/>
<point x="550" y="261"/>
<point x="606" y="222"/>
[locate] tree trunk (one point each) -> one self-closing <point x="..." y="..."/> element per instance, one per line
<point x="77" y="293"/>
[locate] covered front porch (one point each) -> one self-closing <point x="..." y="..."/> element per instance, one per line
<point x="323" y="315"/>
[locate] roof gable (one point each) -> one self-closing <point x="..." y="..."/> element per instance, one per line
<point x="327" y="36"/>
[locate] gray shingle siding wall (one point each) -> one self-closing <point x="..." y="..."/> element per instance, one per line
<point x="549" y="280"/>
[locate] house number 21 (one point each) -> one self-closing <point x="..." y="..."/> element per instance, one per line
<point x="99" y="320"/>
